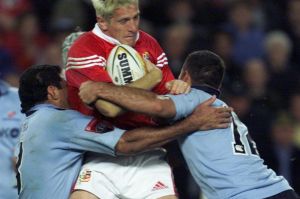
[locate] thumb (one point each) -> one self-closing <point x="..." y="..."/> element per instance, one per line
<point x="148" y="65"/>
<point x="84" y="83"/>
<point x="209" y="101"/>
<point x="168" y="85"/>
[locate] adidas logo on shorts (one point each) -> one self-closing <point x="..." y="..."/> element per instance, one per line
<point x="158" y="186"/>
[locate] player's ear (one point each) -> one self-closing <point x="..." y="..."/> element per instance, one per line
<point x="184" y="76"/>
<point x="102" y="23"/>
<point x="52" y="93"/>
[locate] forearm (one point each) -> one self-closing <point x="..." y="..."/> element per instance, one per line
<point x="108" y="109"/>
<point x="136" y="100"/>
<point x="149" y="81"/>
<point x="142" y="139"/>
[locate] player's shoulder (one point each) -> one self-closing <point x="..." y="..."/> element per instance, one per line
<point x="87" y="40"/>
<point x="67" y="114"/>
<point x="65" y="117"/>
<point x="203" y="95"/>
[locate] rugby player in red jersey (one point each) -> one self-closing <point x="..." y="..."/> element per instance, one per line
<point x="117" y="22"/>
<point x="145" y="175"/>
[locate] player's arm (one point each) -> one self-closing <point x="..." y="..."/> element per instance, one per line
<point x="108" y="109"/>
<point x="133" y="99"/>
<point x="133" y="141"/>
<point x="151" y="79"/>
<point x="147" y="102"/>
<point x="141" y="139"/>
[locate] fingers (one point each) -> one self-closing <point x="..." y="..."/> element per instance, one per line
<point x="224" y="117"/>
<point x="149" y="65"/>
<point x="223" y="126"/>
<point x="210" y="117"/>
<point x="225" y="111"/>
<point x="188" y="89"/>
<point x="217" y="124"/>
<point x="178" y="87"/>
<point x="175" y="88"/>
<point x="168" y="85"/>
<point x="209" y="101"/>
<point x="86" y="93"/>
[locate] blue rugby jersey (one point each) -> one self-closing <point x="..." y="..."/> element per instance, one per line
<point x="225" y="162"/>
<point x="52" y="145"/>
<point x="10" y="122"/>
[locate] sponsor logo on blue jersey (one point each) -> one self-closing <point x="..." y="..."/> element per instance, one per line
<point x="9" y="132"/>
<point x="11" y="115"/>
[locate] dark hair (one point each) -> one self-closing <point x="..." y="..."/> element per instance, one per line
<point x="205" y="68"/>
<point x="34" y="83"/>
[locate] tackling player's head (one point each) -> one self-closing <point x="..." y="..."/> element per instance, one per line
<point x="40" y="84"/>
<point x="203" y="68"/>
<point x="118" y="19"/>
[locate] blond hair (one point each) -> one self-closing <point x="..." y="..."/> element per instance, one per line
<point x="105" y="8"/>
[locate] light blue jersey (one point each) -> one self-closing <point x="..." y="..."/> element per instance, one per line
<point x="225" y="162"/>
<point x="10" y="122"/>
<point x="53" y="142"/>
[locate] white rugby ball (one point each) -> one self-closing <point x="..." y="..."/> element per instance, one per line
<point x="124" y="65"/>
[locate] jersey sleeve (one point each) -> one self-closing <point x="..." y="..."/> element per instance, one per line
<point x="80" y="138"/>
<point x="161" y="61"/>
<point x="185" y="103"/>
<point x="86" y="61"/>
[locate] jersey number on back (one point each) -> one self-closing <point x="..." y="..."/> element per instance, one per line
<point x="242" y="143"/>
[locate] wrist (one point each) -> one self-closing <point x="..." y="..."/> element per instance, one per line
<point x="189" y="124"/>
<point x="100" y="88"/>
<point x="156" y="74"/>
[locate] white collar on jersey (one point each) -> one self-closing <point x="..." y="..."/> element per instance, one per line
<point x="97" y="31"/>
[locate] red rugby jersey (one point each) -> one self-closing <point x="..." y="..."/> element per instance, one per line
<point x="87" y="59"/>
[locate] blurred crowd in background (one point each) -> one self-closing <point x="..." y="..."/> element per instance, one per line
<point x="259" y="41"/>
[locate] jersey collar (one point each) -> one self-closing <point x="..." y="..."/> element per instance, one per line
<point x="3" y="88"/>
<point x="98" y="32"/>
<point x="40" y="106"/>
<point x="209" y="90"/>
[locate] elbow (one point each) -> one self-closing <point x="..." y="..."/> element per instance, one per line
<point x="124" y="148"/>
<point x="160" y="110"/>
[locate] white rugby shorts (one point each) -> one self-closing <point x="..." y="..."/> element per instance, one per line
<point x="142" y="176"/>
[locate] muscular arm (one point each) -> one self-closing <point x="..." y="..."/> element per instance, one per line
<point x="147" y="82"/>
<point x="147" y="102"/>
<point x="142" y="139"/>
<point x="137" y="100"/>
<point x="146" y="138"/>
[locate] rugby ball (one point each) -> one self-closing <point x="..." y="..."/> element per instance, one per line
<point x="125" y="65"/>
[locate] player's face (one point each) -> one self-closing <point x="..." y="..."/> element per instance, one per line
<point x="124" y="24"/>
